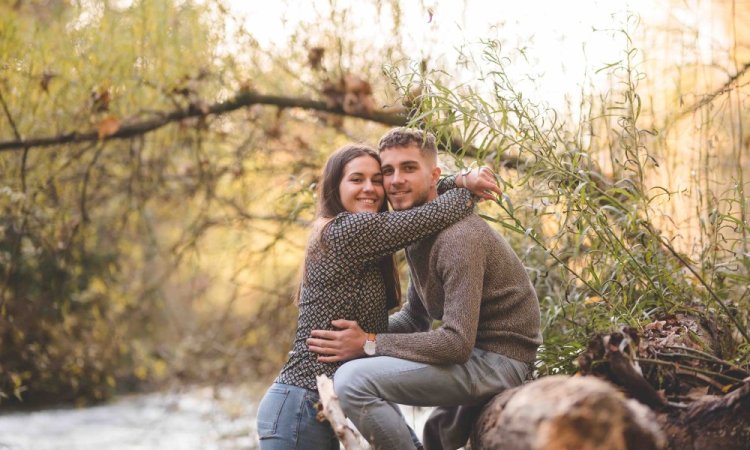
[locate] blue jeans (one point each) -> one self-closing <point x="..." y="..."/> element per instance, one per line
<point x="368" y="387"/>
<point x="287" y="420"/>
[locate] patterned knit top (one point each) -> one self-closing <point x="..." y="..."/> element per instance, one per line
<point x="343" y="278"/>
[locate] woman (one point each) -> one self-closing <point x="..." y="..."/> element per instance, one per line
<point x="348" y="273"/>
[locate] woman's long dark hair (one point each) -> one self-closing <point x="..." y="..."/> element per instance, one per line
<point x="330" y="205"/>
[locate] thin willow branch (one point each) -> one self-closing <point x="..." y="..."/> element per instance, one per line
<point x="700" y="279"/>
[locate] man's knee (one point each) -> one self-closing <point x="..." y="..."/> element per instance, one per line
<point x="352" y="384"/>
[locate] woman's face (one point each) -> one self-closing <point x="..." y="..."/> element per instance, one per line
<point x="361" y="188"/>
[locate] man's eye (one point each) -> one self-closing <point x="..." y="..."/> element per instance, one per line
<point x="387" y="172"/>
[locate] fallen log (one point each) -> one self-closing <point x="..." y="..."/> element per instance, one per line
<point x="685" y="398"/>
<point x="701" y="401"/>
<point x="711" y="423"/>
<point x="566" y="413"/>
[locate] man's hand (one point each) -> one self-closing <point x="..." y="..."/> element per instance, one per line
<point x="342" y="345"/>
<point x="481" y="181"/>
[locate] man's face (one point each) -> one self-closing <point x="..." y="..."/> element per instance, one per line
<point x="410" y="178"/>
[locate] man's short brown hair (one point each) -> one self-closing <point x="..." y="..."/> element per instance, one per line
<point x="405" y="137"/>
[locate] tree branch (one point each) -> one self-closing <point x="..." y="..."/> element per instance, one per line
<point x="331" y="410"/>
<point x="17" y="134"/>
<point x="726" y="87"/>
<point x="128" y="130"/>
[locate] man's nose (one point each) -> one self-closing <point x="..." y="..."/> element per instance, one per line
<point x="397" y="177"/>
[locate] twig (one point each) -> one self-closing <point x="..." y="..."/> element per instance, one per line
<point x="705" y="356"/>
<point x="84" y="187"/>
<point x="17" y="134"/>
<point x="726" y="87"/>
<point x="683" y="369"/>
<point x="713" y="294"/>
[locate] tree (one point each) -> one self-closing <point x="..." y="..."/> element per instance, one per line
<point x="156" y="185"/>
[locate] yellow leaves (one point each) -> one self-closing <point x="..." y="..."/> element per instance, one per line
<point x="18" y="380"/>
<point x="97" y="285"/>
<point x="141" y="372"/>
<point x="159" y="368"/>
<point x="593" y="300"/>
<point x="107" y="127"/>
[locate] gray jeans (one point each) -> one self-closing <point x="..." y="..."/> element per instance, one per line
<point x="368" y="388"/>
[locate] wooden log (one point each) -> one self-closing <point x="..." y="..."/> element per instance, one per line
<point x="711" y="423"/>
<point x="705" y="422"/>
<point x="347" y="434"/>
<point x="566" y="413"/>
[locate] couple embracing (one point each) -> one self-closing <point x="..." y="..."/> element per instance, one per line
<point x="462" y="273"/>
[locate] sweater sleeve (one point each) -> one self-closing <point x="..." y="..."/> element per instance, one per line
<point x="460" y="266"/>
<point x="446" y="184"/>
<point x="412" y="317"/>
<point x="372" y="235"/>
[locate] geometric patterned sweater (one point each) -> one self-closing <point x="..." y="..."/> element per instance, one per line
<point x="343" y="280"/>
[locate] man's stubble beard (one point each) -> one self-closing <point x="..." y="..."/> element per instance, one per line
<point x="420" y="200"/>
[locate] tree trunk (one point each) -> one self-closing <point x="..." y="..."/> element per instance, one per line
<point x="560" y="412"/>
<point x="668" y="408"/>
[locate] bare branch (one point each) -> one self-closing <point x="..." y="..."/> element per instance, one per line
<point x="128" y="130"/>
<point x="726" y="87"/>
<point x="348" y="435"/>
<point x="17" y="134"/>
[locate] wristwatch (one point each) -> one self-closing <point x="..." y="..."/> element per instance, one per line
<point x="370" y="346"/>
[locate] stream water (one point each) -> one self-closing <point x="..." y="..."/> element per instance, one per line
<point x="180" y="419"/>
<point x="187" y="418"/>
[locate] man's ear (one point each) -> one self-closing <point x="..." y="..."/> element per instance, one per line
<point x="435" y="176"/>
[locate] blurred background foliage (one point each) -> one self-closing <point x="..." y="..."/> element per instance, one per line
<point x="171" y="255"/>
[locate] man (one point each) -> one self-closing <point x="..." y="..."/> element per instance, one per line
<point x="468" y="277"/>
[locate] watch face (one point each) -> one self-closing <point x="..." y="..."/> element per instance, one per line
<point x="370" y="347"/>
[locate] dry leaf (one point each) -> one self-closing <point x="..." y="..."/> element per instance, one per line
<point x="697" y="392"/>
<point x="592" y="300"/>
<point x="107" y="127"/>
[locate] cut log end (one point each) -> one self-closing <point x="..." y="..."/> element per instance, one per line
<point x="564" y="413"/>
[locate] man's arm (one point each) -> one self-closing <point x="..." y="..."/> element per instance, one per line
<point x="461" y="267"/>
<point x="348" y="341"/>
<point x="412" y="317"/>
